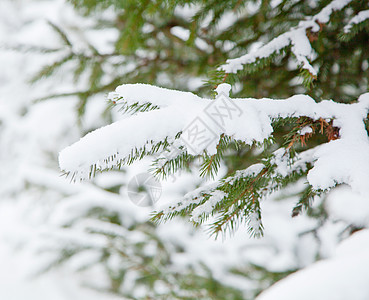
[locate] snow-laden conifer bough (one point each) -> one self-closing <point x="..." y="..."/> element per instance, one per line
<point x="160" y="116"/>
<point x="341" y="160"/>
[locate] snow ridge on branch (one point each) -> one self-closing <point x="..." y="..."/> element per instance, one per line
<point x="360" y="17"/>
<point x="344" y="160"/>
<point x="296" y="38"/>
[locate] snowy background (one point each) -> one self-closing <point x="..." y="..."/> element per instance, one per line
<point x="37" y="203"/>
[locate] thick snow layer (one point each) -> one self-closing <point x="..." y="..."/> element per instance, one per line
<point x="179" y="111"/>
<point x="340" y="161"/>
<point x="344" y="276"/>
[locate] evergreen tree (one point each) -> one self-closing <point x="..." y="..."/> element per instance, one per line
<point x="273" y="49"/>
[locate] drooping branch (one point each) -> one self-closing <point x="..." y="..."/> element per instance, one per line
<point x="137" y="135"/>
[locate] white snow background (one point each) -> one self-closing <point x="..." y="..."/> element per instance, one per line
<point x="31" y="136"/>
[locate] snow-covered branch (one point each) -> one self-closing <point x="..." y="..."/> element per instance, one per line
<point x="296" y="38"/>
<point x="344" y="160"/>
<point x="360" y="17"/>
